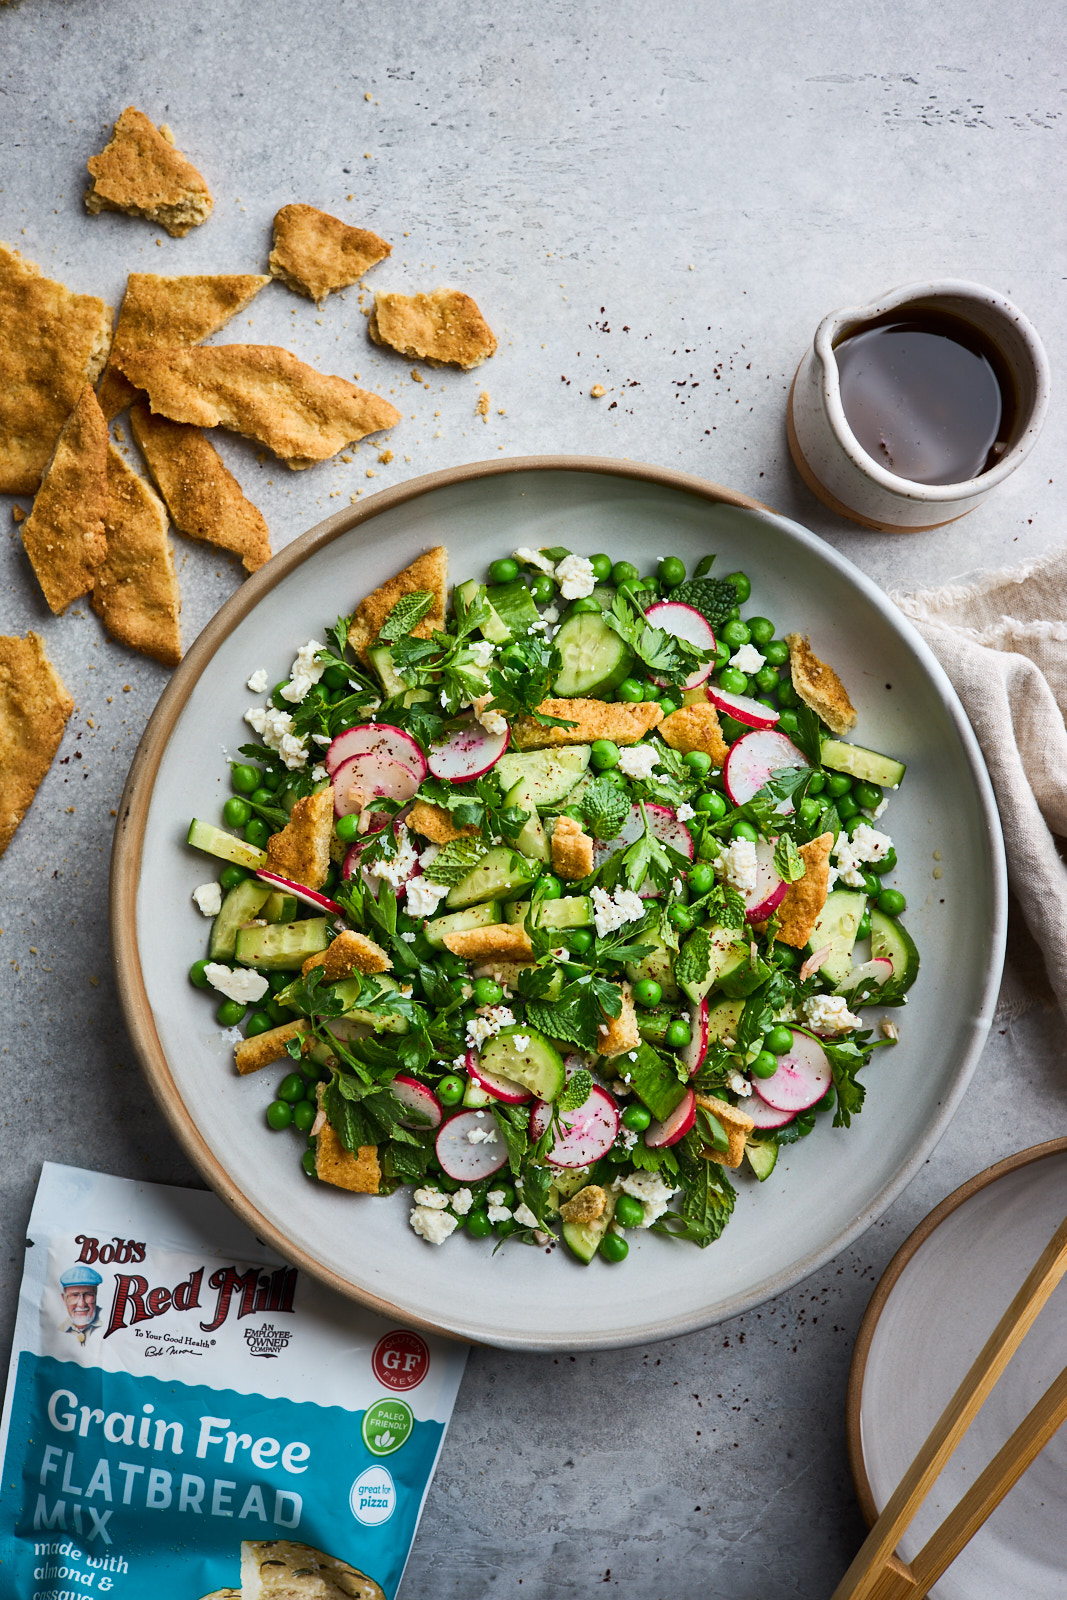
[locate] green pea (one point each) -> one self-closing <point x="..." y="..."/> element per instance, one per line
<point x="257" y="832"/>
<point x="278" y="1014"/>
<point x="631" y="691"/>
<point x="735" y="634"/>
<point x="651" y="586"/>
<point x="817" y="783"/>
<point x="741" y="583"/>
<point x="243" y="777"/>
<point x="764" y="700"/>
<point x="613" y="1246"/>
<point x="604" y="753"/>
<point x="761" y="629"/>
<point x="788" y="722"/>
<point x="487" y="993"/>
<point x="601" y="565"/>
<point x="278" y="981"/>
<point x="637" y="1118"/>
<point x="291" y="1088"/>
<point x="766" y="679"/>
<point x="447" y="1184"/>
<point x="272" y="778"/>
<point x="583" y="607"/>
<point x="787" y="695"/>
<point x="698" y="762"/>
<point x="231" y="876"/>
<point x="304" y="1114"/>
<point x="541" y="588"/>
<point x="512" y="658"/>
<point x="712" y="803"/>
<point x="733" y="613"/>
<point x="307" y="1161"/>
<point x="669" y="706"/>
<point x="765" y="1065"/>
<point x="701" y="877"/>
<point x="892" y="902"/>
<point x="850" y="824"/>
<point x="778" y="1040"/>
<point x="744" y="830"/>
<point x="863" y="927"/>
<point x="506" y="1228"/>
<point x="450" y="1090"/>
<point x="347" y="828"/>
<point x="837" y="784"/>
<point x="786" y="956"/>
<point x="259" y="1022"/>
<point x="671" y="572"/>
<point x="733" y="681"/>
<point x="478" y="1224"/>
<point x="503" y="571"/>
<point x="722" y="655"/>
<point x="579" y="941"/>
<point x="679" y="1034"/>
<point x="867" y="795"/>
<point x="261" y="797"/>
<point x="236" y="812"/>
<point x="336" y="678"/>
<point x="846" y="807"/>
<point x="279" y="1115"/>
<point x="278" y="700"/>
<point x="682" y="917"/>
<point x="648" y="993"/>
<point x="887" y="863"/>
<point x="776" y="652"/>
<point x="624" y="572"/>
<point x="550" y="888"/>
<point x="629" y="1212"/>
<point x="615" y="777"/>
<point x="809" y="812"/>
<point x="230" y="1013"/>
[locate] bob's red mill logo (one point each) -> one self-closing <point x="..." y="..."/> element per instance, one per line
<point x="136" y="1300"/>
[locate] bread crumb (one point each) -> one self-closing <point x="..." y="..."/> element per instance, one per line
<point x="598" y="391"/>
<point x="482" y="408"/>
<point x="17" y="514"/>
<point x="385" y="457"/>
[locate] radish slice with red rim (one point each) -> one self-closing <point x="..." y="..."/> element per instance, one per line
<point x="467" y="753"/>
<point x="697" y="1048"/>
<point x="355" y="853"/>
<point x="770" y="888"/>
<point x="663" y="824"/>
<point x="421" y="1106"/>
<point x="674" y="1127"/>
<point x="752" y="760"/>
<point x="802" y="1078"/>
<point x="494" y="1083"/>
<point x="363" y="777"/>
<point x="586" y="1133"/>
<point x="684" y="622"/>
<point x="869" y="975"/>
<point x="742" y="708"/>
<point x="309" y="897"/>
<point x="765" y="1116"/>
<point x="465" y="1159"/>
<point x="376" y="739"/>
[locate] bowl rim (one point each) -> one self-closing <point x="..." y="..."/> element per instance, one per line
<point x="137" y="796"/>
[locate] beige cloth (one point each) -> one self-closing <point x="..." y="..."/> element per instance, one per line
<point x="1002" y="639"/>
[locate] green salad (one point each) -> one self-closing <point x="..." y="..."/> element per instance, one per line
<point x="560" y="897"/>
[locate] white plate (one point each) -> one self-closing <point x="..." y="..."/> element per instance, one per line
<point x="931" y="1321"/>
<point x="827" y="1188"/>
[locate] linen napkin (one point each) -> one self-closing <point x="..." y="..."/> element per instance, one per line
<point x="1002" y="639"/>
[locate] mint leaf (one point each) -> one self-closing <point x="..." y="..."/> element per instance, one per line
<point x="577" y="1092"/>
<point x="808" y="736"/>
<point x="405" y="615"/>
<point x="693" y="962"/>
<point x="604" y="807"/>
<point x="513" y="1127"/>
<point x="455" y="861"/>
<point x="714" y="598"/>
<point x="788" y="861"/>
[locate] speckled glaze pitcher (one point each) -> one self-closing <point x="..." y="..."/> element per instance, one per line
<point x="840" y="472"/>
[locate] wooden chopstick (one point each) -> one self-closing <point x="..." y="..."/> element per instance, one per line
<point x="877" y="1573"/>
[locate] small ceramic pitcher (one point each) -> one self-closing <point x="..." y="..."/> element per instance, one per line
<point x="840" y="472"/>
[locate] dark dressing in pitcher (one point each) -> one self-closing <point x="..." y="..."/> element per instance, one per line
<point x="927" y="395"/>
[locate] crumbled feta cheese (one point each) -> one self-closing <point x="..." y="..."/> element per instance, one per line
<point x="832" y="876"/>
<point x="866" y="844"/>
<point x="496" y="1197"/>
<point x="408" y="938"/>
<point x="275" y="728"/>
<point x="305" y="674"/>
<point x="677" y="885"/>
<point x="828" y="1013"/>
<point x="482" y="1136"/>
<point x="650" y="1189"/>
<point x="319" y="774"/>
<point x="638" y="761"/>
<point x="878" y="810"/>
<point x="258" y="681"/>
<point x="684" y="811"/>
<point x="423" y="896"/>
<point x="747" y="659"/>
<point x="433" y="1226"/>
<point x="396" y="871"/>
<point x="461" y="1202"/>
<point x="739" y="1085"/>
<point x="499" y="1213"/>
<point x="521" y="1041"/>
<point x="208" y="899"/>
<point x="612" y="911"/>
<point x="483" y="651"/>
<point x="737" y="865"/>
<point x="524" y="1216"/>
<point x="459" y="1062"/>
<point x="492" y="721"/>
<point x="239" y="983"/>
<point x="321" y="738"/>
<point x="627" y="1138"/>
<point x="575" y="577"/>
<point x="444" y="699"/>
<point x="550" y="615"/>
<point x="487" y="1023"/>
<point x="432" y="1198"/>
<point x="534" y="558"/>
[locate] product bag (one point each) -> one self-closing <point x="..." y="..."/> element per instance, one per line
<point x="187" y="1416"/>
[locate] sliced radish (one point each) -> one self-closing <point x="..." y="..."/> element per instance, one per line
<point x="494" y="1083"/>
<point x="676" y="1126"/>
<point x="765" y="1116"/>
<point x="310" y="897"/>
<point x="352" y="860"/>
<point x="586" y="1134"/>
<point x="376" y="739"/>
<point x="769" y="890"/>
<point x="421" y="1104"/>
<point x="697" y="1048"/>
<point x="753" y="758"/>
<point x="663" y="824"/>
<point x="468" y="753"/>
<point x="870" y="975"/>
<point x="802" y="1078"/>
<point x="363" y="777"/>
<point x="683" y="622"/>
<point x="742" y="708"/>
<point x="466" y="1161"/>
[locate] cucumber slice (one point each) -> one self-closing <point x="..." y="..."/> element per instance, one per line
<point x="494" y="628"/>
<point x="513" y="604"/>
<point x="205" y="836"/>
<point x="536" y="1063"/>
<point x="381" y="659"/>
<point x="762" y="1156"/>
<point x="723" y="1019"/>
<point x="565" y="1185"/>
<point x="571" y="911"/>
<point x="484" y="916"/>
<point x="657" y="964"/>
<point x="279" y="907"/>
<point x="595" y="659"/>
<point x="283" y="947"/>
<point x="475" y="1097"/>
<point x="652" y="1081"/>
<point x="245" y="901"/>
<point x="861" y="763"/>
<point x="653" y="1025"/>
<point x="348" y="991"/>
<point x="893" y="943"/>
<point x="728" y="956"/>
<point x="532" y="841"/>
<point x="499" y="873"/>
<point x="549" y="776"/>
<point x="836" y="926"/>
<point x="583" y="1238"/>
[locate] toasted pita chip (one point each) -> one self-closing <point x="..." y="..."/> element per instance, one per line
<point x="259" y="390"/>
<point x="135" y="592"/>
<point x="334" y="1164"/>
<point x="593" y="719"/>
<point x="819" y="686"/>
<point x="443" y="327"/>
<point x="504" y="942"/>
<point x="203" y="498"/>
<point x="52" y="343"/>
<point x="585" y="1206"/>
<point x="301" y="851"/>
<point x="171" y="310"/>
<point x="427" y="572"/>
<point x="141" y="173"/>
<point x="435" y="824"/>
<point x="34" y="707"/>
<point x="619" y="1034"/>
<point x="803" y="900"/>
<point x="350" y="952"/>
<point x="277" y="1569"/>
<point x="260" y="1049"/>
<point x="64" y="534"/>
<point x="315" y="253"/>
<point x="696" y="727"/>
<point x="736" y="1124"/>
<point x="572" y="849"/>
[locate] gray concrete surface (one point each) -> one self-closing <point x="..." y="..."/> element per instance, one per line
<point x="655" y="199"/>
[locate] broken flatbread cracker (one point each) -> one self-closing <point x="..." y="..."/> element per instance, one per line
<point x="64" y="535"/>
<point x="443" y="327"/>
<point x="620" y="1034"/>
<point x="315" y="253"/>
<point x="204" y="499"/>
<point x="141" y="173"/>
<point x="735" y="1123"/>
<point x="136" y="591"/>
<point x="359" y="1171"/>
<point x="158" y="309"/>
<point x="53" y="342"/>
<point x="435" y="824"/>
<point x="426" y="572"/>
<point x="804" y="899"/>
<point x="696" y="727"/>
<point x="819" y="686"/>
<point x="278" y="1569"/>
<point x="592" y="720"/>
<point x="261" y="391"/>
<point x="34" y="707"/>
<point x="301" y="851"/>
